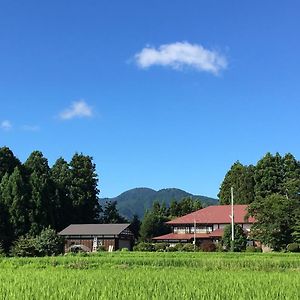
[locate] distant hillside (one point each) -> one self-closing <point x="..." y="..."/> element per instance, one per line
<point x="138" y="200"/>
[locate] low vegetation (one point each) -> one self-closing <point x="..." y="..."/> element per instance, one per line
<point x="138" y="275"/>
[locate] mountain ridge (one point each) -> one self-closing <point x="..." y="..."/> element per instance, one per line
<point x="138" y="200"/>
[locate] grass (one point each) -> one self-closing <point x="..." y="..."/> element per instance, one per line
<point x="152" y="276"/>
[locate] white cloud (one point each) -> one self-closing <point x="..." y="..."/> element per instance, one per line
<point x="6" y="125"/>
<point x="182" y="54"/>
<point x="78" y="109"/>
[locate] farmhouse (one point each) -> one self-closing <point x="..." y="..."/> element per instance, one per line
<point x="89" y="237"/>
<point x="205" y="224"/>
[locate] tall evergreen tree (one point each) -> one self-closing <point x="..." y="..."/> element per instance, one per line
<point x="15" y="196"/>
<point x="6" y="232"/>
<point x="8" y="161"/>
<point x="61" y="177"/>
<point x="241" y="178"/>
<point x="42" y="213"/>
<point x="111" y="214"/>
<point x="83" y="189"/>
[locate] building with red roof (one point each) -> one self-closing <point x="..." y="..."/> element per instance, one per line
<point x="206" y="224"/>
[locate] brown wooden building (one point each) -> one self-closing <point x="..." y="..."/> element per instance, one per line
<point x="89" y="237"/>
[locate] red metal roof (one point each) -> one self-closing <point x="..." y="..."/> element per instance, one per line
<point x="217" y="214"/>
<point x="189" y="236"/>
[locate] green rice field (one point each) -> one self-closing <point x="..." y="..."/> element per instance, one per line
<point x="137" y="275"/>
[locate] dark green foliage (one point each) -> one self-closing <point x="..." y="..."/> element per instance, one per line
<point x="61" y="176"/>
<point x="253" y="249"/>
<point x="48" y="243"/>
<point x="6" y="231"/>
<point x="269" y="176"/>
<point x="14" y="194"/>
<point x="296" y="228"/>
<point x="241" y="178"/>
<point x="143" y="246"/>
<point x="33" y="197"/>
<point x="178" y="247"/>
<point x="240" y="238"/>
<point x="153" y="225"/>
<point x="189" y="248"/>
<point x="8" y="162"/>
<point x="111" y="214"/>
<point x="42" y="211"/>
<point x="2" y="252"/>
<point x="275" y="216"/>
<point x="293" y="247"/>
<point x="135" y="226"/>
<point x="24" y="246"/>
<point x="83" y="189"/>
<point x="138" y="200"/>
<point x="161" y="247"/>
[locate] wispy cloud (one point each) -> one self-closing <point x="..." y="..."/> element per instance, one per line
<point x="6" y="125"/>
<point x="30" y="128"/>
<point x="78" y="109"/>
<point x="181" y="55"/>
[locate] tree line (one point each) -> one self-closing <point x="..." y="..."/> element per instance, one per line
<point x="272" y="190"/>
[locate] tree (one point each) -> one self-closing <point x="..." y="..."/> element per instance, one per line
<point x="24" y="246"/>
<point x="6" y="232"/>
<point x="291" y="177"/>
<point x="61" y="176"/>
<point x="152" y="225"/>
<point x="269" y="176"/>
<point x="42" y="211"/>
<point x="275" y="218"/>
<point x="188" y="205"/>
<point x="240" y="238"/>
<point x="241" y="178"/>
<point x="111" y="214"/>
<point x="83" y="189"/>
<point x="174" y="209"/>
<point x="48" y="243"/>
<point x="14" y="194"/>
<point x="8" y="161"/>
<point x="135" y="225"/>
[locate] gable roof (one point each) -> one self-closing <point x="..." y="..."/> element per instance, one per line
<point x="217" y="214"/>
<point x="94" y="229"/>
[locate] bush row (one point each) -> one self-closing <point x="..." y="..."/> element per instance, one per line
<point x="45" y="244"/>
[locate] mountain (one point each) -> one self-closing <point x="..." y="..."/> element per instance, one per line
<point x="138" y="200"/>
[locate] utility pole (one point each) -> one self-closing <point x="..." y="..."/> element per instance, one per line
<point x="232" y="221"/>
<point x="194" y="234"/>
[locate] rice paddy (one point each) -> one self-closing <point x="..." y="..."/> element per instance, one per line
<point x="135" y="275"/>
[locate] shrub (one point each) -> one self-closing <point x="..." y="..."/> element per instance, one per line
<point x="293" y="247"/>
<point x="160" y="247"/>
<point x="172" y="249"/>
<point x="143" y="246"/>
<point x="178" y="247"/>
<point x="124" y="250"/>
<point x="48" y="243"/>
<point x="208" y="246"/>
<point x="188" y="248"/>
<point x="220" y="247"/>
<point x="240" y="238"/>
<point x="24" y="246"/>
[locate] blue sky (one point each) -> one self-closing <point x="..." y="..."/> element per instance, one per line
<point x="160" y="93"/>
